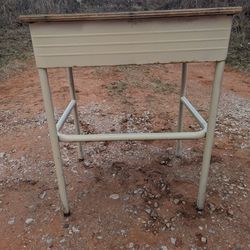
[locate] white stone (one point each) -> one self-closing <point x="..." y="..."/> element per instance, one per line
<point x="62" y="240"/>
<point x="173" y="240"/>
<point x="204" y="239"/>
<point x="163" y="248"/>
<point x="11" y="221"/>
<point x="29" y="221"/>
<point x="114" y="196"/>
<point x="43" y="195"/>
<point x="75" y="229"/>
<point x="131" y="245"/>
<point x="2" y="154"/>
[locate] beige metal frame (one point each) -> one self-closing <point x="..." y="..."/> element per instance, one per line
<point x="194" y="35"/>
<point x="207" y="130"/>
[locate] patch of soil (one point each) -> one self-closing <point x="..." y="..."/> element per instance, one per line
<point x="124" y="195"/>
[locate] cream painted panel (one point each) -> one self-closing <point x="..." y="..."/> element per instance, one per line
<point x="131" y="42"/>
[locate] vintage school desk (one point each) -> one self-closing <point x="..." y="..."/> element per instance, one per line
<point x="183" y="36"/>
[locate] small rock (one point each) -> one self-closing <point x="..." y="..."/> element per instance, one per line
<point x="114" y="196"/>
<point x="211" y="207"/>
<point x="42" y="195"/>
<point x="62" y="240"/>
<point x="2" y="154"/>
<point x="176" y="201"/>
<point x="29" y="221"/>
<point x="138" y="191"/>
<point x="168" y="225"/>
<point x="87" y="164"/>
<point x="230" y="212"/>
<point x="49" y="241"/>
<point x="156" y="204"/>
<point x="125" y="197"/>
<point x="173" y="240"/>
<point x="211" y="231"/>
<point x="66" y="225"/>
<point x="11" y="221"/>
<point x="200" y="227"/>
<point x="131" y="245"/>
<point x="148" y="210"/>
<point x="163" y="248"/>
<point x="75" y="229"/>
<point x="99" y="237"/>
<point x="203" y="239"/>
<point x="123" y="232"/>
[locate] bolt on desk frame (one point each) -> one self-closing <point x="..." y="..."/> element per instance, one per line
<point x="131" y="38"/>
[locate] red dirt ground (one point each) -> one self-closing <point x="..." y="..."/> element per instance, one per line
<point x="156" y="190"/>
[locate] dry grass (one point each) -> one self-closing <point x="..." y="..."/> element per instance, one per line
<point x="15" y="41"/>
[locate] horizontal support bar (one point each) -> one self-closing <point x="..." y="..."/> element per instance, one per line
<point x="195" y="113"/>
<point x="133" y="136"/>
<point x="65" y="115"/>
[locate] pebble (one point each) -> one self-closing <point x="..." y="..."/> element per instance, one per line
<point x="168" y="225"/>
<point x="2" y="154"/>
<point x="11" y="221"/>
<point x="66" y="225"/>
<point x="156" y="204"/>
<point x="163" y="248"/>
<point x="49" y="241"/>
<point x="99" y="237"/>
<point x="211" y="207"/>
<point x="230" y="212"/>
<point x="176" y="201"/>
<point x="203" y="239"/>
<point x="211" y="231"/>
<point x="29" y="221"/>
<point x="114" y="196"/>
<point x="148" y="210"/>
<point x="62" y="240"/>
<point x="125" y="197"/>
<point x="123" y="232"/>
<point x="131" y="245"/>
<point x="43" y="195"/>
<point x="173" y="240"/>
<point x="75" y="229"/>
<point x="87" y="163"/>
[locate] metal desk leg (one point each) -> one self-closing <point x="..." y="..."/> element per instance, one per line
<point x="210" y="133"/>
<point x="75" y="112"/>
<point x="181" y="106"/>
<point x="54" y="138"/>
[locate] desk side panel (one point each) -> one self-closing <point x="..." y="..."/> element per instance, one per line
<point x="187" y="39"/>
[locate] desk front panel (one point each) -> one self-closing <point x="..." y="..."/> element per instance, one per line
<point x="162" y="40"/>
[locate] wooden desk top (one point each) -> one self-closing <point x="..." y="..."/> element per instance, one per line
<point x="129" y="15"/>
